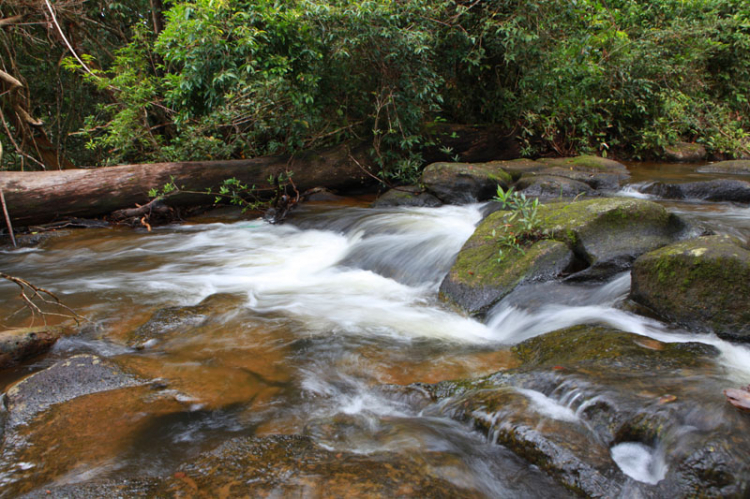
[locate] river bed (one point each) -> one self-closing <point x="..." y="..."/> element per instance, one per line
<point x="308" y="327"/>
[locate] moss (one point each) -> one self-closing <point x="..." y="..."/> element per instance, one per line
<point x="586" y="163"/>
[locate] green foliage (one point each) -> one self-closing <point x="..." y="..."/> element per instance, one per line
<point x="240" y="78"/>
<point x="522" y="226"/>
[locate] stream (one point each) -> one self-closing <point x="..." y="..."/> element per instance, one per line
<point x="320" y="327"/>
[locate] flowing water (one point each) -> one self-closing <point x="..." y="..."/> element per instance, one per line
<point x="309" y="326"/>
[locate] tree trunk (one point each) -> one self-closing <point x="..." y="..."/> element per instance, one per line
<point x="40" y="197"/>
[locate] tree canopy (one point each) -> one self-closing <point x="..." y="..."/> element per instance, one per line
<point x="223" y="79"/>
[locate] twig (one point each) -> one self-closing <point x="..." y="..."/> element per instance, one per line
<point x="39" y="294"/>
<point x="382" y="181"/>
<point x="7" y="217"/>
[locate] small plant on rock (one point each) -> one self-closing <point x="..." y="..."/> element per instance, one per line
<point x="522" y="226"/>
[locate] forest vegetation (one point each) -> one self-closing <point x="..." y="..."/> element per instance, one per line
<point x="97" y="83"/>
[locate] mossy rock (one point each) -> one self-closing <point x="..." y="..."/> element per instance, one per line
<point x="587" y="346"/>
<point x="406" y="196"/>
<point x="703" y="283"/>
<point x="586" y="163"/>
<point x="610" y="233"/>
<point x="685" y="152"/>
<point x="738" y="167"/>
<point x="462" y="183"/>
<point x="552" y="187"/>
<point x="480" y="278"/>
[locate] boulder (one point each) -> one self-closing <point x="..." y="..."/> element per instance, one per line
<point x="685" y="152"/>
<point x="706" y="190"/>
<point x="599" y="173"/>
<point x="479" y="278"/>
<point x="703" y="283"/>
<point x="17" y="345"/>
<point x="608" y="234"/>
<point x="407" y="196"/>
<point x="584" y="240"/>
<point x="738" y="167"/>
<point x="462" y="183"/>
<point x="552" y="187"/>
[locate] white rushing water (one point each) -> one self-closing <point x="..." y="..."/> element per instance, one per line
<point x="640" y="462"/>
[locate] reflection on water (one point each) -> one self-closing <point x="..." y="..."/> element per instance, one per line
<point x="330" y="308"/>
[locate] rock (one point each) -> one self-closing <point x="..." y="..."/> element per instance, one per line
<point x="583" y="390"/>
<point x="171" y="319"/>
<point x="706" y="190"/>
<point x="599" y="173"/>
<point x="294" y="466"/>
<point x="608" y="234"/>
<point x="600" y="236"/>
<point x="595" y="346"/>
<point x="685" y="152"/>
<point x="479" y="279"/>
<point x="703" y="283"/>
<point x="406" y="196"/>
<point x="462" y="183"/>
<point x="142" y="487"/>
<point x="17" y="345"/>
<point x="739" y="167"/>
<point x="67" y="379"/>
<point x="552" y="187"/>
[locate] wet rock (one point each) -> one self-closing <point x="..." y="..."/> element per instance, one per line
<point x="479" y="278"/>
<point x="462" y="183"/>
<point x="407" y="196"/>
<point x="284" y="466"/>
<point x="17" y="345"/>
<point x="599" y="173"/>
<point x="67" y="379"/>
<point x="588" y="346"/>
<point x="703" y="283"/>
<point x="708" y="190"/>
<point x="738" y="167"/>
<point x="97" y="490"/>
<point x="609" y="234"/>
<point x="685" y="152"/>
<point x="552" y="187"/>
<point x="172" y="319"/>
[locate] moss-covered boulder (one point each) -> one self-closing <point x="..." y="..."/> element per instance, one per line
<point x="480" y="278"/>
<point x="17" y="345"/>
<point x="596" y="346"/>
<point x="461" y="183"/>
<point x="737" y="167"/>
<point x="609" y="234"/>
<point x="584" y="239"/>
<point x="599" y="173"/>
<point x="703" y="283"/>
<point x="685" y="152"/>
<point x="406" y="196"/>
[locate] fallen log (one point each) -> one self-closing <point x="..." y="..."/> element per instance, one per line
<point x="41" y="197"/>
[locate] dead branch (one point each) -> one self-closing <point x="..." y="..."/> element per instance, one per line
<point x="34" y="297"/>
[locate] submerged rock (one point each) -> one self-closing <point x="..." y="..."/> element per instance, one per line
<point x="285" y="466"/>
<point x="706" y="190"/>
<point x="462" y="183"/>
<point x="583" y="391"/>
<point x="738" y="167"/>
<point x="703" y="283"/>
<point x="65" y="380"/>
<point x="171" y="319"/>
<point x="685" y="152"/>
<point x="407" y="196"/>
<point x="17" y="345"/>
